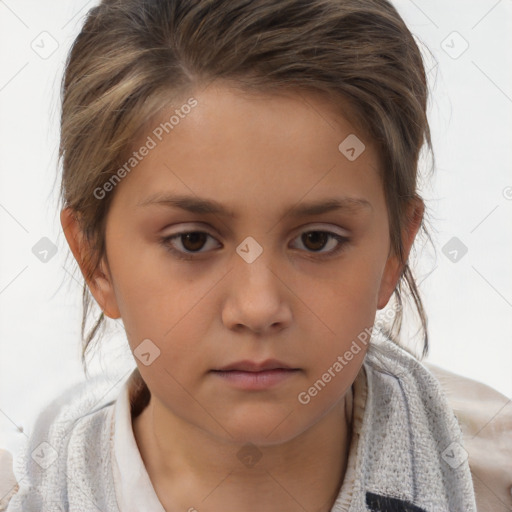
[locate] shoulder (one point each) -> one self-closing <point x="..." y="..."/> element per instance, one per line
<point x="74" y="429"/>
<point x="483" y="415"/>
<point x="485" y="418"/>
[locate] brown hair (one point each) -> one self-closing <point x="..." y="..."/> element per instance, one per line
<point x="133" y="58"/>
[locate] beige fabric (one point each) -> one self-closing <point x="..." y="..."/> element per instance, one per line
<point x="485" y="418"/>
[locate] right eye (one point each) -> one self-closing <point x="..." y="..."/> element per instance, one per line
<point x="190" y="241"/>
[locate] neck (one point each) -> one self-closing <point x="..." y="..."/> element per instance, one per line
<point x="189" y="468"/>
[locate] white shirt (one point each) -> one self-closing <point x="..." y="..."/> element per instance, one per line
<point x="134" y="490"/>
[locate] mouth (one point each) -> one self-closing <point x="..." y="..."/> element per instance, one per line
<point x="249" y="375"/>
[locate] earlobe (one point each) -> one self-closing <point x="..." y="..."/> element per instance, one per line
<point x="104" y="291"/>
<point x="389" y="280"/>
<point x="394" y="268"/>
<point x="99" y="283"/>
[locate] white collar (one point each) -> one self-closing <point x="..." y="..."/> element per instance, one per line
<point x="133" y="487"/>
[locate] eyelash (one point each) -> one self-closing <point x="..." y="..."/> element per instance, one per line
<point x="166" y="242"/>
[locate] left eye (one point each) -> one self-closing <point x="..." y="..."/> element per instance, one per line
<point x="314" y="239"/>
<point x="192" y="241"/>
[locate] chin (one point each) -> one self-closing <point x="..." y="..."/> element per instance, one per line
<point x="264" y="429"/>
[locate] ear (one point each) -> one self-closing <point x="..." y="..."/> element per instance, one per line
<point x="100" y="283"/>
<point x="393" y="268"/>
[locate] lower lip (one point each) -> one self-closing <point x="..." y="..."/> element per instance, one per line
<point x="256" y="380"/>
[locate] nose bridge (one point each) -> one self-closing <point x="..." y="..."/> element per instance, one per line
<point x="254" y="262"/>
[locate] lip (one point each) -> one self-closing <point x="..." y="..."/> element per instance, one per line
<point x="253" y="366"/>
<point x="252" y="375"/>
<point x="255" y="380"/>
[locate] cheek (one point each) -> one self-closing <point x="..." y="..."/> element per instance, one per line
<point x="341" y="312"/>
<point x="152" y="292"/>
<point x="349" y="295"/>
<point x="174" y="316"/>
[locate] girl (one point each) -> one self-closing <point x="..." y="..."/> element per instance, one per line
<point x="283" y="139"/>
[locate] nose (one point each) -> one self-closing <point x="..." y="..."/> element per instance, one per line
<point x="257" y="297"/>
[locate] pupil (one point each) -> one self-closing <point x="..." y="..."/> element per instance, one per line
<point x="314" y="237"/>
<point x="193" y="237"/>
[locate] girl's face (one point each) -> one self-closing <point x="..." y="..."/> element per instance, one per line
<point x="265" y="277"/>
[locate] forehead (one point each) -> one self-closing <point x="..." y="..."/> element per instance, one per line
<point x="261" y="147"/>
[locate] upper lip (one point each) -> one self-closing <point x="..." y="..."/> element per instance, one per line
<point x="253" y="366"/>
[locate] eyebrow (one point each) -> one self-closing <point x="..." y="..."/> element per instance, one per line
<point x="203" y="206"/>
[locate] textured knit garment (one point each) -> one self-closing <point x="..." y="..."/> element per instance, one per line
<point x="406" y="451"/>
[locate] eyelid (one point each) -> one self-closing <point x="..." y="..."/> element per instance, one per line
<point x="323" y="227"/>
<point x="206" y="228"/>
